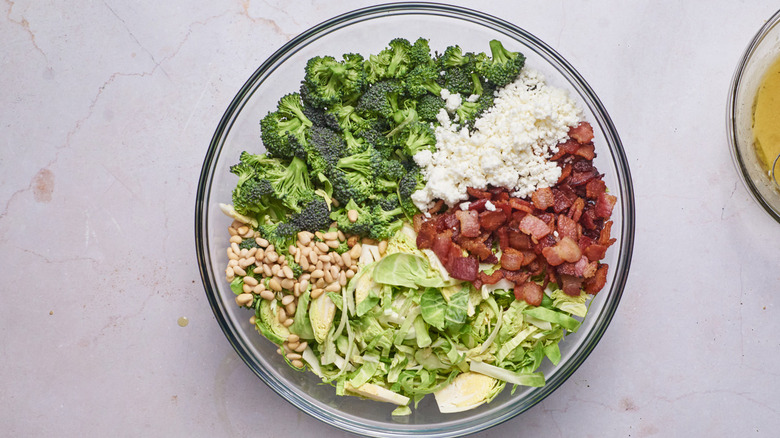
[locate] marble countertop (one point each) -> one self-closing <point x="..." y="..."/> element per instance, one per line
<point x="108" y="109"/>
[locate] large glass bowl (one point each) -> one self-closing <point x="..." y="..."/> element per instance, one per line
<point x="367" y="31"/>
<point x="763" y="49"/>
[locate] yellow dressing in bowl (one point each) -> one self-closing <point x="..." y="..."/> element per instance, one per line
<point x="766" y="117"/>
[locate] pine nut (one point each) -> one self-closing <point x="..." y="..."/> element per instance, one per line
<point x="232" y="262"/>
<point x="252" y="251"/>
<point x="288" y="272"/>
<point x="304" y="237"/>
<point x="261" y="242"/>
<point x="288" y="323"/>
<point x="350" y="273"/>
<point x="242" y="229"/>
<point x="250" y="233"/>
<point x="382" y="246"/>
<point x="252" y="281"/>
<point x="355" y="251"/>
<point x="281" y="315"/>
<point x="328" y="277"/>
<point x="336" y="259"/>
<point x="333" y="287"/>
<point x="352" y="215"/>
<point x="267" y="295"/>
<point x="253" y="321"/>
<point x="292" y="345"/>
<point x="239" y="270"/>
<point x="319" y="235"/>
<point x="287" y="284"/>
<point x="304" y="263"/>
<point x="235" y="239"/>
<point x="297" y="257"/>
<point x="229" y="272"/>
<point x="297" y="363"/>
<point x="232" y="231"/>
<point x="297" y="289"/>
<point x="301" y="346"/>
<point x="317" y="273"/>
<point x="287" y="299"/>
<point x="292" y="337"/>
<point x="280" y="274"/>
<point x="270" y="248"/>
<point x="315" y="293"/>
<point x="322" y="246"/>
<point x="267" y="271"/>
<point x="303" y="284"/>
<point x="290" y="308"/>
<point x="334" y="271"/>
<point x="320" y="283"/>
<point x="282" y="258"/>
<point x="331" y="235"/>
<point x="292" y="249"/>
<point x="343" y="278"/>
<point x="257" y="290"/>
<point x="244" y="299"/>
<point x="231" y="255"/>
<point x="313" y="257"/>
<point x="346" y="258"/>
<point x="275" y="269"/>
<point x="271" y="257"/>
<point x="236" y="249"/>
<point x="250" y="261"/>
<point x="333" y="243"/>
<point x="246" y="288"/>
<point x="341" y="236"/>
<point x="274" y="284"/>
<point x="293" y="356"/>
<point x="305" y="251"/>
<point x="259" y="255"/>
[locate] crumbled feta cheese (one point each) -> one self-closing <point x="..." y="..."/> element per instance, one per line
<point x="510" y="145"/>
<point x="489" y="206"/>
<point x="423" y="158"/>
<point x="472" y="98"/>
<point x="452" y="100"/>
<point x="465" y="205"/>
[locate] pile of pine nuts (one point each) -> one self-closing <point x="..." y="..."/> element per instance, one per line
<point x="324" y="270"/>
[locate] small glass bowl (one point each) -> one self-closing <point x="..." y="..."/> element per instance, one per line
<point x="367" y="31"/>
<point x="763" y="49"/>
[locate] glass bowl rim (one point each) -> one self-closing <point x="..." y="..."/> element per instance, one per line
<point x="731" y="104"/>
<point x="429" y="9"/>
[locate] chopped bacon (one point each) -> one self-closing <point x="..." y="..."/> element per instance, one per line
<point x="469" y="222"/>
<point x="531" y="292"/>
<point x="441" y="245"/>
<point x="493" y="278"/>
<point x="604" y="205"/>
<point x="477" y="193"/>
<point x="478" y="205"/>
<point x="491" y="220"/>
<point x="447" y="221"/>
<point x="582" y="268"/>
<point x="575" y="211"/>
<point x="417" y="221"/>
<point x="543" y="198"/>
<point x="586" y="151"/>
<point x="520" y="205"/>
<point x="544" y="242"/>
<point x="588" y="218"/>
<point x="567" y="227"/>
<point x="562" y="202"/>
<point x="568" y="147"/>
<point x="566" y="250"/>
<point x="503" y="238"/>
<point x="534" y="226"/>
<point x="502" y="196"/>
<point x="426" y="235"/>
<point x="463" y="268"/>
<point x="604" y="238"/>
<point x="580" y="178"/>
<point x="594" y="284"/>
<point x="583" y="132"/>
<point x="476" y="246"/>
<point x="595" y="251"/>
<point x="516" y="277"/>
<point x="565" y="173"/>
<point x="518" y="240"/>
<point x="512" y="259"/>
<point x="571" y="285"/>
<point x="436" y="207"/>
<point x="594" y="188"/>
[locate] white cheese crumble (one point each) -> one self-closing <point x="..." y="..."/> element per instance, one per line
<point x="509" y="147"/>
<point x="465" y="205"/>
<point x="452" y="101"/>
<point x="489" y="206"/>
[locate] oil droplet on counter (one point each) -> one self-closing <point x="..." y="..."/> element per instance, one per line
<point x="183" y="321"/>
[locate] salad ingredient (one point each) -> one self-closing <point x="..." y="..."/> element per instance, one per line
<point x="467" y="391"/>
<point x="765" y="111"/>
<point x="510" y="147"/>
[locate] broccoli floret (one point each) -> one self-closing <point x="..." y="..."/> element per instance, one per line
<point x="391" y="62"/>
<point x="417" y="137"/>
<point x="420" y="53"/>
<point x="314" y="216"/>
<point x="453" y="57"/>
<point x="328" y="81"/>
<point x="387" y="203"/>
<point x="248" y="244"/>
<point x="293" y="186"/>
<point x="422" y="80"/>
<point x="372" y="221"/>
<point x="458" y="80"/>
<point x="503" y="68"/>
<point x="410" y="183"/>
<point x="287" y="121"/>
<point x="380" y="100"/>
<point x="325" y="149"/>
<point x="350" y="185"/>
<point x="297" y="270"/>
<point x="428" y="107"/>
<point x="347" y="118"/>
<point x="354" y="145"/>
<point x="320" y="117"/>
<point x="280" y="234"/>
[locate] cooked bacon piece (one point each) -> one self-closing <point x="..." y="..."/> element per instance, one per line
<point x="579" y="178"/>
<point x="441" y="246"/>
<point x="588" y="218"/>
<point x="476" y="246"/>
<point x="477" y="193"/>
<point x="469" y="222"/>
<point x="594" y="188"/>
<point x="501" y="196"/>
<point x="543" y="198"/>
<point x="583" y="132"/>
<point x="565" y="173"/>
<point x="478" y="205"/>
<point x="493" y="278"/>
<point x="426" y="234"/>
<point x="566" y="250"/>
<point x="436" y="207"/>
<point x="567" y="227"/>
<point x="516" y="277"/>
<point x="463" y="268"/>
<point x="568" y="147"/>
<point x="446" y="221"/>
<point x="604" y="235"/>
<point x="582" y="268"/>
<point x="502" y="234"/>
<point x="544" y="242"/>
<point x="571" y="285"/>
<point x="567" y="269"/>
<point x="595" y="251"/>
<point x="586" y="151"/>
<point x="594" y="284"/>
<point x="528" y="256"/>
<point x="491" y="220"/>
<point x="575" y="211"/>
<point x="512" y="259"/>
<point x="534" y="226"/>
<point x="531" y="292"/>
<point x="518" y="240"/>
<point x="604" y="205"/>
<point x="562" y="202"/>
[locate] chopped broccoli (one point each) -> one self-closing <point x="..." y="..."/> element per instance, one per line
<point x="503" y="68"/>
<point x="410" y="183"/>
<point x="248" y="244"/>
<point x="320" y="117"/>
<point x="354" y="145"/>
<point x="453" y="57"/>
<point x="277" y="127"/>
<point x="391" y="62"/>
<point x="428" y="107"/>
<point x="380" y="100"/>
<point x="347" y="118"/>
<point x="297" y="270"/>
<point x="417" y="137"/>
<point x="314" y="216"/>
<point x="325" y="149"/>
<point x="328" y="81"/>
<point x="458" y="80"/>
<point x="422" y="80"/>
<point x="420" y="53"/>
<point x="373" y="221"/>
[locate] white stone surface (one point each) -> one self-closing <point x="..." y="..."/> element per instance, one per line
<point x="107" y="110"/>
